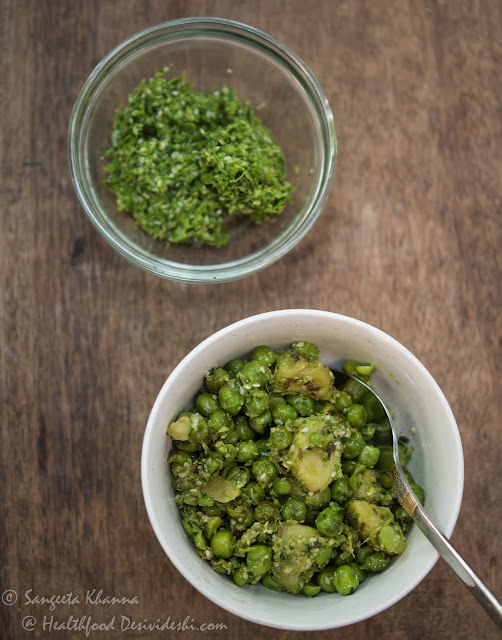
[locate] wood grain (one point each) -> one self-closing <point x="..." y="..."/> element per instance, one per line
<point x="409" y="241"/>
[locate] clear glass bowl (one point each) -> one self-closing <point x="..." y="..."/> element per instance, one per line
<point x="212" y="53"/>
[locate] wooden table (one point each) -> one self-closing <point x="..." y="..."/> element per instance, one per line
<point x="409" y="241"/>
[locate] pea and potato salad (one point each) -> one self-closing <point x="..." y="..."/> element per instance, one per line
<point x="283" y="478"/>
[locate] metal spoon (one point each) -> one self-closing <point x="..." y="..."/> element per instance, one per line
<point x="410" y="503"/>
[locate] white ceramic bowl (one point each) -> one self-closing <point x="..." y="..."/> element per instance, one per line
<point x="407" y="387"/>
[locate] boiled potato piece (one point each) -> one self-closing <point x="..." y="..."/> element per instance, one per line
<point x="221" y="489"/>
<point x="314" y="467"/>
<point x="179" y="429"/>
<point x="376" y="526"/>
<point x="295" y="374"/>
<point x="294" y="556"/>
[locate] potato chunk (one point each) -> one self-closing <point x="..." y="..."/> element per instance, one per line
<point x="179" y="429"/>
<point x="221" y="489"/>
<point x="314" y="467"/>
<point x="294" y="556"/>
<point x="376" y="526"/>
<point x="295" y="373"/>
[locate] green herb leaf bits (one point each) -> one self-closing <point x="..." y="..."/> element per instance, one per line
<point x="184" y="160"/>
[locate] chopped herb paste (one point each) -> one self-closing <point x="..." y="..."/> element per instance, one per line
<point x="184" y="160"/>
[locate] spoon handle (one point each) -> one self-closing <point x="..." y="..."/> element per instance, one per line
<point x="458" y="564"/>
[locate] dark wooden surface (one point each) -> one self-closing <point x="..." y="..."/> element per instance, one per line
<point x="410" y="241"/>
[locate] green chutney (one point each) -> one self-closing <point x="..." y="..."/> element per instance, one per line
<point x="182" y="161"/>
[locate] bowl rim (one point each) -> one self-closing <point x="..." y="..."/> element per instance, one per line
<point x="241" y="325"/>
<point x="288" y="238"/>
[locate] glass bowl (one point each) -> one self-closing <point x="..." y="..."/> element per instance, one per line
<point x="212" y="53"/>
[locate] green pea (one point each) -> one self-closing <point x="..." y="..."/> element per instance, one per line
<point x="346" y="580"/>
<point x="402" y="517"/>
<point x="323" y="556"/>
<point x="264" y="471"/>
<point x="368" y="431"/>
<point x="319" y="498"/>
<point x="303" y="405"/>
<point x="350" y="367"/>
<point x="364" y="552"/>
<point x="386" y="478"/>
<point x="354" y="478"/>
<point x="354" y="445"/>
<point x="200" y="541"/>
<point x="259" y="559"/>
<point x="266" y="511"/>
<point x="211" y="526"/>
<point x="382" y="433"/>
<point x="230" y="399"/>
<point x="275" y="399"/>
<point x="348" y="467"/>
<point x="282" y="413"/>
<point x="326" y="579"/>
<point x="259" y="423"/>
<point x="404" y="453"/>
<point x="220" y="422"/>
<point x="376" y="562"/>
<point x="418" y="491"/>
<point x="254" y="373"/>
<point x="222" y="544"/>
<point x="256" y="402"/>
<point x="199" y="429"/>
<point x="186" y="445"/>
<point x="264" y="355"/>
<point x="311" y="590"/>
<point x="231" y="437"/>
<point x="240" y="576"/>
<point x="187" y="526"/>
<point x="280" y="438"/>
<point x="282" y="486"/>
<point x="206" y="404"/>
<point x="343" y="402"/>
<point x="234" y="366"/>
<point x="386" y="459"/>
<point x="206" y="501"/>
<point x="355" y="389"/>
<point x="340" y="490"/>
<point x="247" y="450"/>
<point x="236" y="509"/>
<point x="216" y="378"/>
<point x="390" y="539"/>
<point x="214" y="510"/>
<point x="247" y="520"/>
<point x="329" y="522"/>
<point x="318" y="440"/>
<point x="294" y="509"/>
<point x="227" y="451"/>
<point x="252" y="492"/>
<point x="343" y="556"/>
<point x="238" y="475"/>
<point x="361" y="573"/>
<point x="374" y="409"/>
<point x="306" y="349"/>
<point x="242" y="428"/>
<point x="356" y="415"/>
<point x="268" y="582"/>
<point x="263" y="447"/>
<point x="180" y="458"/>
<point x="369" y="456"/>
